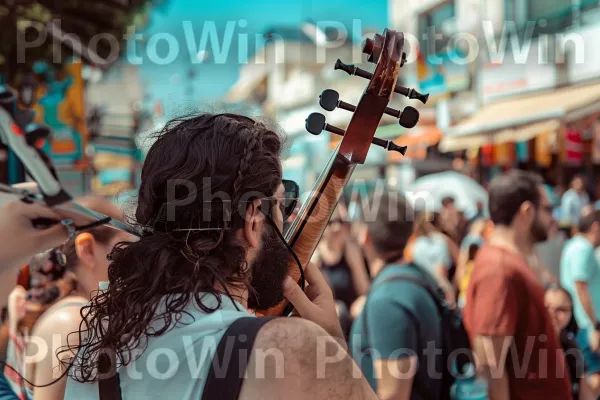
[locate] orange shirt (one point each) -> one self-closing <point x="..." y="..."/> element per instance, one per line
<point x="506" y="298"/>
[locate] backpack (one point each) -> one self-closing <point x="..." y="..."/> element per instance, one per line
<point x="456" y="348"/>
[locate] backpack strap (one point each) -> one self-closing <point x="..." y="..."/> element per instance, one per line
<point x="233" y="354"/>
<point x="109" y="388"/>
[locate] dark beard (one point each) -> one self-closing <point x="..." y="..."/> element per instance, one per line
<point x="268" y="272"/>
<point x="539" y="233"/>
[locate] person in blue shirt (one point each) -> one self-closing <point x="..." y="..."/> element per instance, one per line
<point x="580" y="276"/>
<point x="574" y="200"/>
<point x="394" y="338"/>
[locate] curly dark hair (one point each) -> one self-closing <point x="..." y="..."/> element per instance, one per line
<point x="170" y="268"/>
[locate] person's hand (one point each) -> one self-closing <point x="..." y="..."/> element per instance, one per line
<point x="448" y="292"/>
<point x="19" y="240"/>
<point x="594" y="339"/>
<point x="316" y="304"/>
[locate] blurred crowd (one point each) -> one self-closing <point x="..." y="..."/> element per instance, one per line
<point x="510" y="271"/>
<point x="446" y="245"/>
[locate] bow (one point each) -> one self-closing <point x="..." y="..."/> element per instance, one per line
<point x="21" y="136"/>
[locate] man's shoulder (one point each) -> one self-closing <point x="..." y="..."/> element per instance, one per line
<point x="67" y="311"/>
<point x="393" y="275"/>
<point x="492" y="262"/>
<point x="577" y="244"/>
<point x="577" y="248"/>
<point x="395" y="285"/>
<point x="569" y="194"/>
<point x="297" y="359"/>
<point x="288" y="333"/>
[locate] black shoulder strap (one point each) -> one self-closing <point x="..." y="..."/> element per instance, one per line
<point x="109" y="388"/>
<point x="226" y="375"/>
<point x="233" y="354"/>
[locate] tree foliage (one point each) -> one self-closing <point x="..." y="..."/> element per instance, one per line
<point x="23" y="21"/>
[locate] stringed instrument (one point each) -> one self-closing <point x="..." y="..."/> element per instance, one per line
<point x="387" y="52"/>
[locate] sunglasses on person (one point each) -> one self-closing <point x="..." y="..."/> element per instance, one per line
<point x="288" y="202"/>
<point x="290" y="198"/>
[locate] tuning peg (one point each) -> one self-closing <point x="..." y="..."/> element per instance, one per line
<point x="403" y="59"/>
<point x="373" y="48"/>
<point x="330" y="99"/>
<point x="315" y="124"/>
<point x="350" y="69"/>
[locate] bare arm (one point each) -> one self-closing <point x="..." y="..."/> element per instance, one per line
<point x="3" y="341"/>
<point x="395" y="378"/>
<point x="441" y="275"/>
<point x="47" y="367"/>
<point x="356" y="261"/>
<point x="461" y="266"/>
<point x="296" y="359"/>
<point x="357" y="306"/>
<point x="585" y="391"/>
<point x="453" y="249"/>
<point x="491" y="354"/>
<point x="586" y="301"/>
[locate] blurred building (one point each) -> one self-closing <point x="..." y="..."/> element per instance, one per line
<point x="284" y="80"/>
<point x="115" y="116"/>
<point x="533" y="99"/>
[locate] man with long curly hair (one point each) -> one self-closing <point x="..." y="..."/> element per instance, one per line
<point x="212" y="204"/>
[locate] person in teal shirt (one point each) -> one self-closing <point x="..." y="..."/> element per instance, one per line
<point x="396" y="334"/>
<point x="580" y="276"/>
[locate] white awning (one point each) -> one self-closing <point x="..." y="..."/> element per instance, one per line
<point x="522" y="118"/>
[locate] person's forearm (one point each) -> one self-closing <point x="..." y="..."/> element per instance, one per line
<point x="585" y="391"/>
<point x="461" y="266"/>
<point x="441" y="276"/>
<point x="12" y="257"/>
<point x="499" y="388"/>
<point x="3" y="340"/>
<point x="361" y="281"/>
<point x="358" y="269"/>
<point x="585" y="299"/>
<point x="491" y="355"/>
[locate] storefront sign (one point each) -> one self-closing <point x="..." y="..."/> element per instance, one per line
<point x="509" y="73"/>
<point x="582" y="53"/>
<point x="440" y="75"/>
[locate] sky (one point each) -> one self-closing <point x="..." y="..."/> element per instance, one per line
<point x="181" y="25"/>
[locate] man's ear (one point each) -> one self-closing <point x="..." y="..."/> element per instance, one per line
<point x="84" y="248"/>
<point x="253" y="223"/>
<point x="527" y="208"/>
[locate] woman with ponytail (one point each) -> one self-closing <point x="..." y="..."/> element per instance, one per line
<point x="39" y="328"/>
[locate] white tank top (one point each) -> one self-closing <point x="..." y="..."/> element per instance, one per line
<point x="174" y="365"/>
